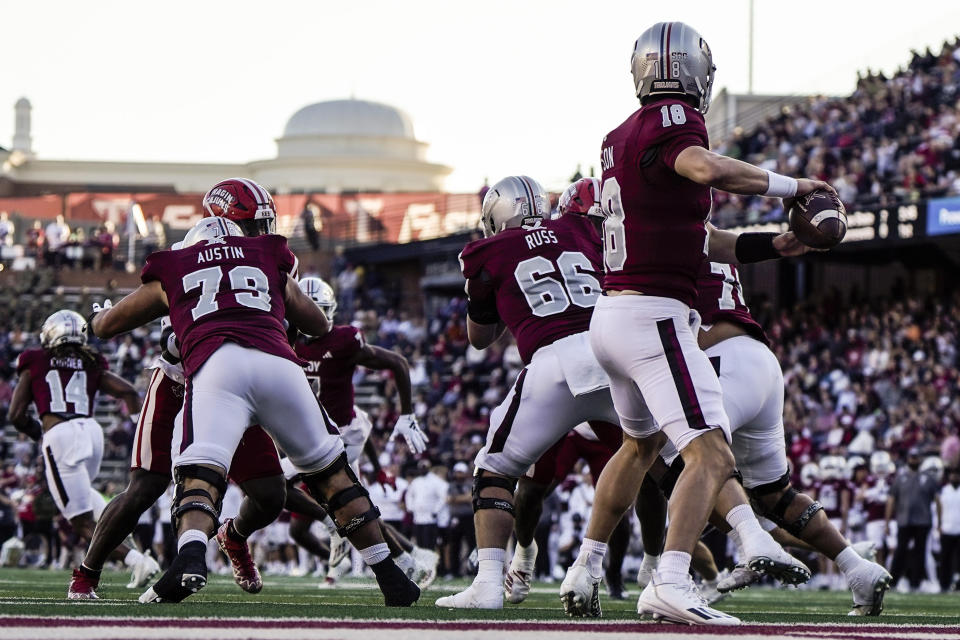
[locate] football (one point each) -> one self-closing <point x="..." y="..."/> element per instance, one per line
<point x="818" y="218"/>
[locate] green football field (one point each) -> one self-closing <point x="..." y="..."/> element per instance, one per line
<point x="38" y="597"/>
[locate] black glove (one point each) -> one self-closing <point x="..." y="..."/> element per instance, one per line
<point x="170" y="346"/>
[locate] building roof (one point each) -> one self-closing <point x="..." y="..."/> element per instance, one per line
<point x="349" y="118"/>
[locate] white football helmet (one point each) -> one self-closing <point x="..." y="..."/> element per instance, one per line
<point x="63" y="327"/>
<point x="211" y="229"/>
<point x="833" y="468"/>
<point x="513" y="202"/>
<point x="809" y="473"/>
<point x="671" y="58"/>
<point x="322" y="294"/>
<point x="881" y="464"/>
<point x="852" y="463"/>
<point x="933" y="466"/>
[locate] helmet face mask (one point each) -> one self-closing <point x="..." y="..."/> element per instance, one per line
<point x="322" y="295"/>
<point x="671" y="58"/>
<point x="211" y="229"/>
<point x="244" y="202"/>
<point x="63" y="327"/>
<point x="514" y="201"/>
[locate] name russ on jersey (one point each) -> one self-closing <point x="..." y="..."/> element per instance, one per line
<point x="219" y="253"/>
<point x="539" y="238"/>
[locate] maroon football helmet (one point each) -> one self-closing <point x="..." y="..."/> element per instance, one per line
<point x="582" y="198"/>
<point x="245" y="202"/>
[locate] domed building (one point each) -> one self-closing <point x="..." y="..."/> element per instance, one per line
<point x="332" y="146"/>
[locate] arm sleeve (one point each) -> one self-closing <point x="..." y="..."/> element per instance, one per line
<point x="152" y="269"/>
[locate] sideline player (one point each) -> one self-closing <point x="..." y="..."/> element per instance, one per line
<point x="332" y="360"/>
<point x="255" y="465"/>
<point x="539" y="279"/>
<point x="62" y="379"/>
<point x="227" y="296"/>
<point x="657" y="176"/>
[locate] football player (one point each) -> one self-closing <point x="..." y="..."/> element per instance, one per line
<point x="62" y="379"/>
<point x="255" y="465"/>
<point x="332" y="360"/>
<point x="874" y="493"/>
<point x="658" y="173"/>
<point x="227" y="296"/>
<point x="539" y="279"/>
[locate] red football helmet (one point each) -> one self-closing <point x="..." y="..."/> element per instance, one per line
<point x="245" y="202"/>
<point x="582" y="198"/>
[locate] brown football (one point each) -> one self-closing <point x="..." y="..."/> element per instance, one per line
<point x="818" y="218"/>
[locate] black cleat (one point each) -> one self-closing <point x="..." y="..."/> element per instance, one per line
<point x="185" y="576"/>
<point x="398" y="590"/>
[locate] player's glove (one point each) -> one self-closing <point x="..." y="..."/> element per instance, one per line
<point x="97" y="308"/>
<point x="412" y="433"/>
<point x="169" y="345"/>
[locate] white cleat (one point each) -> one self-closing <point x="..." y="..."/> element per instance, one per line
<point x="770" y="559"/>
<point x="708" y="589"/>
<point x="149" y="596"/>
<point x="741" y="577"/>
<point x="516" y="585"/>
<point x="479" y="595"/>
<point x="334" y="573"/>
<point x="339" y="549"/>
<point x="645" y="573"/>
<point x="143" y="571"/>
<point x="866" y="549"/>
<point x="425" y="567"/>
<point x="680" y="603"/>
<point x="580" y="593"/>
<point x="868" y="583"/>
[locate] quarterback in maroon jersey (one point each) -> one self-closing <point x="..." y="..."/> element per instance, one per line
<point x="655" y="192"/>
<point x="539" y="279"/>
<point x="227" y="296"/>
<point x="62" y="379"/>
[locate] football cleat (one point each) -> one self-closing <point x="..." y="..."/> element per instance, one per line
<point x="866" y="549"/>
<point x="397" y="589"/>
<point x="708" y="589"/>
<point x="741" y="577"/>
<point x="647" y="569"/>
<point x="479" y="595"/>
<point x="784" y="568"/>
<point x="245" y="572"/>
<point x="516" y="584"/>
<point x="425" y="567"/>
<point x="143" y="571"/>
<point x="868" y="583"/>
<point x="334" y="573"/>
<point x="339" y="550"/>
<point x="82" y="586"/>
<point x="580" y="593"/>
<point x="681" y="603"/>
<point x="185" y="576"/>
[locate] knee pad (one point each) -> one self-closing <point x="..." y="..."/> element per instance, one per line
<point x="343" y="497"/>
<point x="193" y="471"/>
<point x="777" y="513"/>
<point x="481" y="482"/>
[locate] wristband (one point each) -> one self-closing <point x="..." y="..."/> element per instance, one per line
<point x="755" y="247"/>
<point x="779" y="186"/>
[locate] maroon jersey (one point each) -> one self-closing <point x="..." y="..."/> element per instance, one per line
<point x="331" y="361"/>
<point x="654" y="235"/>
<point x="875" y="494"/>
<point x="720" y="299"/>
<point x="225" y="290"/>
<point x="541" y="282"/>
<point x="63" y="384"/>
<point x="829" y="495"/>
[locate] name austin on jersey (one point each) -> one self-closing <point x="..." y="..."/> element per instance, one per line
<point x="219" y="253"/>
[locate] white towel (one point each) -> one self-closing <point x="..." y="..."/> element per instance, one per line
<point x="580" y="367"/>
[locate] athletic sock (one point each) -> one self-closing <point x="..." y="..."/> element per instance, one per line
<point x="191" y="535"/>
<point x="674" y="566"/>
<point x="742" y="518"/>
<point x="650" y="562"/>
<point x="329" y="524"/>
<point x="93" y="574"/>
<point x="848" y="560"/>
<point x="133" y="557"/>
<point x="735" y="538"/>
<point x="490" y="564"/>
<point x="526" y="554"/>
<point x="375" y="554"/>
<point x="591" y="556"/>
<point x="234" y="534"/>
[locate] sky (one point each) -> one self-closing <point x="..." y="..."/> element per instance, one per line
<point x="495" y="87"/>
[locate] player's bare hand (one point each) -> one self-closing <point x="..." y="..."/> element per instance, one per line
<point x="806" y="185"/>
<point x="414" y="436"/>
<point x="788" y="245"/>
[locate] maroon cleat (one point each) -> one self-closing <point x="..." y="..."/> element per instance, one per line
<point x="245" y="572"/>
<point x="82" y="586"/>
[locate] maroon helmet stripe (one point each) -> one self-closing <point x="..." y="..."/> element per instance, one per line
<point x="667" y="59"/>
